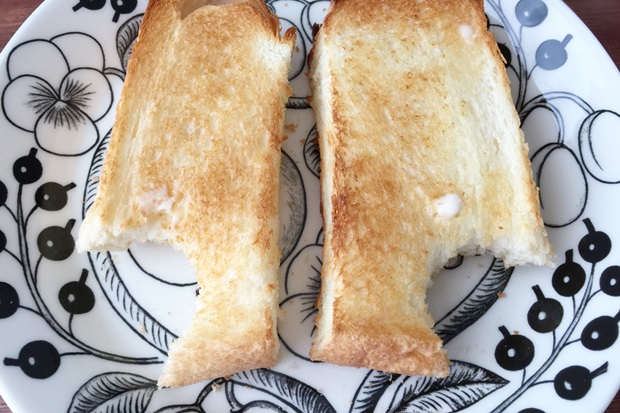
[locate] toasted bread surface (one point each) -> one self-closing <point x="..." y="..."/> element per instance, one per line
<point x="422" y="159"/>
<point x="194" y="160"/>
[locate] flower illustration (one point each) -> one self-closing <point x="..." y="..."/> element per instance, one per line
<point x="58" y="91"/>
<point x="301" y="290"/>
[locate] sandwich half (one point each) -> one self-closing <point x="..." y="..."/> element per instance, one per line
<point x="194" y="161"/>
<point x="422" y="159"/>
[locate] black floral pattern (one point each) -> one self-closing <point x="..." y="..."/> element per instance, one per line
<point x="56" y="102"/>
<point x="65" y="105"/>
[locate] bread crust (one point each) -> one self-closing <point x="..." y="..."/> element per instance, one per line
<point x="194" y="160"/>
<point x="413" y="105"/>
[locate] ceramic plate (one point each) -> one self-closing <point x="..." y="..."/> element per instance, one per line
<point x="89" y="333"/>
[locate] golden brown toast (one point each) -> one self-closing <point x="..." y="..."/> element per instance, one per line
<point x="422" y="159"/>
<point x="194" y="160"/>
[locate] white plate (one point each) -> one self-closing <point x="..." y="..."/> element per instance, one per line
<point x="86" y="333"/>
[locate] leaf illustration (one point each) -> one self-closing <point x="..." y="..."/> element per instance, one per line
<point x="112" y="285"/>
<point x="94" y="172"/>
<point x="290" y="391"/>
<point x="126" y="306"/>
<point x="476" y="303"/>
<point x="126" y="37"/>
<point x="303" y="274"/>
<point x="371" y="390"/>
<point x="293" y="209"/>
<point x="466" y="384"/>
<point x="114" y="392"/>
<point x="312" y="157"/>
<point x="297" y="333"/>
<point x="297" y="103"/>
<point x="181" y="408"/>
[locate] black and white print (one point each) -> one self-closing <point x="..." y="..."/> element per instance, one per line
<point x="96" y="327"/>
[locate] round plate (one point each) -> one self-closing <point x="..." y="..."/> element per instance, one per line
<point x="89" y="332"/>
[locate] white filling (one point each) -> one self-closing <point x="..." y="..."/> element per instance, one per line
<point x="467" y="33"/>
<point x="155" y="200"/>
<point x="448" y="205"/>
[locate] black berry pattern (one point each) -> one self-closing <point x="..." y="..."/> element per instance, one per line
<point x="574" y="382"/>
<point x="37" y="359"/>
<point x="52" y="196"/>
<point x="594" y="246"/>
<point x="514" y="352"/>
<point x="600" y="333"/>
<point x="122" y="7"/>
<point x="546" y="315"/>
<point x="9" y="300"/>
<point x="2" y="241"/>
<point x="89" y="4"/>
<point x="610" y="281"/>
<point x="551" y="54"/>
<point x="40" y="359"/>
<point x="583" y="160"/>
<point x="569" y="277"/>
<point x="531" y="13"/>
<point x="119" y="6"/>
<point x="56" y="243"/>
<point x="549" y="316"/>
<point x="28" y="169"/>
<point x="76" y="297"/>
<point x="3" y="194"/>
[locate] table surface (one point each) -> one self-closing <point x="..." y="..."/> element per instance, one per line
<point x="601" y="16"/>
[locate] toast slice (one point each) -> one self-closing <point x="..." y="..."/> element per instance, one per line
<point x="422" y="159"/>
<point x="194" y="160"/>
